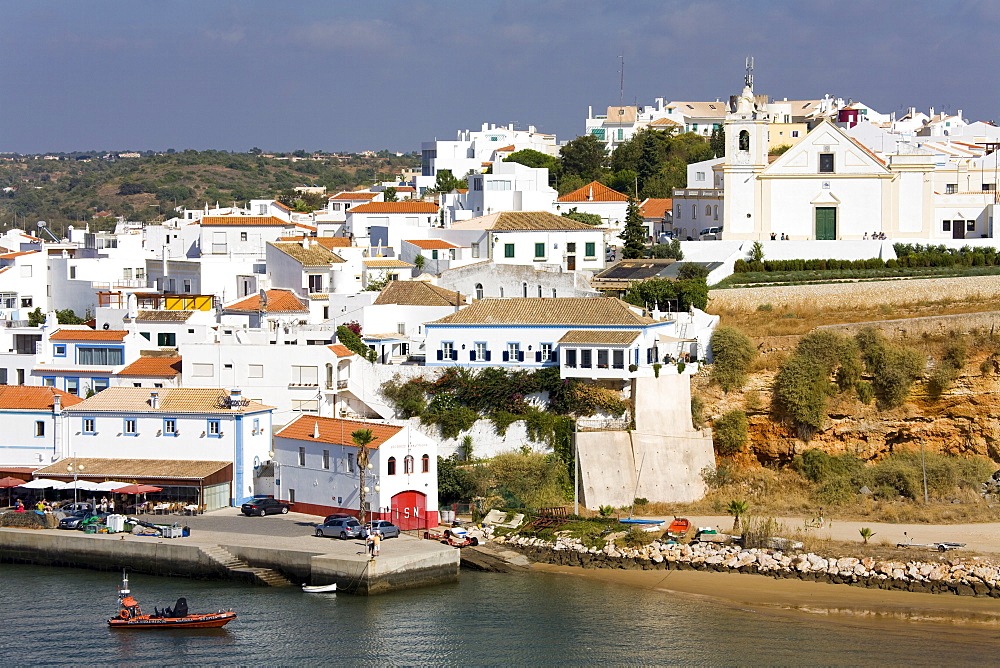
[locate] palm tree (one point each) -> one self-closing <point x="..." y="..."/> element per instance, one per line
<point x="361" y="438"/>
<point x="866" y="533"/>
<point x="737" y="509"/>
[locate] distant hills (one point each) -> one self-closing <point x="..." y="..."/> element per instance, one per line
<point x="71" y="189"/>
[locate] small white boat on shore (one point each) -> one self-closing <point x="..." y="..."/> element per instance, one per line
<point x="319" y="589"/>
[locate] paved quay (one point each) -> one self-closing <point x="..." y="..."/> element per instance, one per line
<point x="274" y="550"/>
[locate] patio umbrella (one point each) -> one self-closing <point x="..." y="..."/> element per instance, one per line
<point x="84" y="485"/>
<point x="7" y="483"/>
<point x="109" y="486"/>
<point x="137" y="489"/>
<point x="43" y="483"/>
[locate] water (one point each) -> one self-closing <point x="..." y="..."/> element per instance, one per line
<point x="58" y="616"/>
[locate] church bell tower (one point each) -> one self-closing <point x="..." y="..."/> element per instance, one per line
<point x="746" y="157"/>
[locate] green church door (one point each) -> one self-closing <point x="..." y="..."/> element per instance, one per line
<point x="826" y="222"/>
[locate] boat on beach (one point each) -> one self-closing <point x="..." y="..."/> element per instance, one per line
<point x="130" y="615"/>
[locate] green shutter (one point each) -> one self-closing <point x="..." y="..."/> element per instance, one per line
<point x="508" y="250"/>
<point x="591" y="249"/>
<point x="540" y="250"/>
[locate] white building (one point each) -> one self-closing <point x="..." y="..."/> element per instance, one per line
<point x="33" y="424"/>
<point x="600" y="200"/>
<point x="316" y="462"/>
<point x="473" y="151"/>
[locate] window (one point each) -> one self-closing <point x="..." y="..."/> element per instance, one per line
<point x="618" y="359"/>
<point x="202" y="370"/>
<point x="795" y="133"/>
<point x="545" y="352"/>
<point x="254" y="370"/>
<point x="100" y="356"/>
<point x="169" y="427"/>
<point x="73" y="386"/>
<point x="26" y="302"/>
<point x="475" y="250"/>
<point x="694" y="211"/>
<point x="214" y="429"/>
<point x="447" y="351"/>
<point x="305" y="375"/>
<point x="350" y="462"/>
<point x="571" y="358"/>
<point x="99" y="384"/>
<point x="315" y="283"/>
<point x="59" y="350"/>
<point x="513" y="353"/>
<point x="391" y="464"/>
<point x="946" y="226"/>
<point x="571" y="247"/>
<point x="479" y="290"/>
<point x="187" y="285"/>
<point x="145" y="335"/>
<point x="970" y="226"/>
<point x="256" y="425"/>
<point x="166" y="339"/>
<point x="479" y="353"/>
<point x="305" y="405"/>
<point x="302" y="456"/>
<point x="826" y="163"/>
<point x="989" y="187"/>
<point x="508" y="250"/>
<point x="291" y="496"/>
<point x="39" y="429"/>
<point x="8" y="299"/>
<point x="539" y="291"/>
<point x="501" y="291"/>
<point x="699" y="176"/>
<point x="130" y="427"/>
<point x="586" y="358"/>
<point x="408" y="464"/>
<point x="3" y="376"/>
<point x="539" y="251"/>
<point x="744" y="140"/>
<point x="590" y="249"/>
<point x="243" y="236"/>
<point x="72" y="272"/>
<point x="477" y="184"/>
<point x="524" y="289"/>
<point x="401" y="328"/>
<point x="715" y="212"/>
<point x="49" y="381"/>
<point x="708" y="210"/>
<point x="425" y="464"/>
<point x="326" y="459"/>
<point x="602" y="359"/>
<point x="89" y="426"/>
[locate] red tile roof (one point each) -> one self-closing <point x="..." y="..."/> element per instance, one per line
<point x="327" y="242"/>
<point x="243" y="221"/>
<point x="595" y="191"/>
<point x="278" y="301"/>
<point x="88" y="335"/>
<point x="405" y="189"/>
<point x="153" y="366"/>
<point x="33" y="398"/>
<point x="656" y="207"/>
<point x="431" y="244"/>
<point x="506" y="148"/>
<point x="395" y="207"/>
<point x="355" y="196"/>
<point x="281" y="206"/>
<point x="11" y="256"/>
<point x="341" y="350"/>
<point x="336" y="431"/>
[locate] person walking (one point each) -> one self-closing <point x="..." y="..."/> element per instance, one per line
<point x="376" y="541"/>
<point x="370" y="543"/>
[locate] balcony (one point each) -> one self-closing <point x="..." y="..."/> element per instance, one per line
<point x="336" y="384"/>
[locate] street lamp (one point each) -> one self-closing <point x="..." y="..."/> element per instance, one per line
<point x="75" y="469"/>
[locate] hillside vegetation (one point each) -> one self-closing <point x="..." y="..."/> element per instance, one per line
<point x="66" y="192"/>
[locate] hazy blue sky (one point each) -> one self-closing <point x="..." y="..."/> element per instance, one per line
<point x="332" y="75"/>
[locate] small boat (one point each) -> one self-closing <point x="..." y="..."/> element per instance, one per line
<point x="319" y="589"/>
<point x="130" y="615"/>
<point x="679" y="527"/>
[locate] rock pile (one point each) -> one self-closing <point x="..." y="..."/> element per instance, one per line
<point x="965" y="577"/>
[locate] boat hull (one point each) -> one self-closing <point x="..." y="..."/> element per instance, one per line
<point x="319" y="589"/>
<point x="210" y="621"/>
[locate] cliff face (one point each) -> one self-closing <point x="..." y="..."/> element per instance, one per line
<point x="964" y="420"/>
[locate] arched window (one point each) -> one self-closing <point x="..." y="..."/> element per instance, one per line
<point x="715" y="214"/>
<point x="524" y="289"/>
<point x="501" y="292"/>
<point x="694" y="211"/>
<point x="392" y="466"/>
<point x="425" y="464"/>
<point x="539" y="291"/>
<point x="708" y="210"/>
<point x="553" y="292"/>
<point x="744" y="140"/>
<point x="408" y="464"/>
<point x="479" y="290"/>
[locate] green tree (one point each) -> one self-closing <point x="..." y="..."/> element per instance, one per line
<point x="581" y="217"/>
<point x="756" y="252"/>
<point x="419" y="262"/>
<point x="389" y="194"/>
<point x="536" y="159"/>
<point x="670" y="251"/>
<point x="36" y="318"/>
<point x="362" y="438"/>
<point x="584" y="156"/>
<point x="446" y="182"/>
<point x="718" y="141"/>
<point x="737" y="509"/>
<point x="732" y="354"/>
<point x="634" y="234"/>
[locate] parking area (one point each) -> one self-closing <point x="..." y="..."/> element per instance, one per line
<point x="231" y="520"/>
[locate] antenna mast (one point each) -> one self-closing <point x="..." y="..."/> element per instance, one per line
<point x="621" y="83"/>
<point x="749" y="77"/>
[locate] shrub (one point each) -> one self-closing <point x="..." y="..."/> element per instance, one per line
<point x="656" y="370"/>
<point x="697" y="411"/>
<point x="353" y="342"/>
<point x="893" y="368"/>
<point x="732" y="354"/>
<point x="730" y="433"/>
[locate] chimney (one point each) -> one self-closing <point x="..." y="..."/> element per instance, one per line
<point x="235" y="398"/>
<point x="154" y="400"/>
<point x="56" y="404"/>
<point x="315" y="429"/>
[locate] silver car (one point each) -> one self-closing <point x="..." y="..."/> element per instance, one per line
<point x="386" y="528"/>
<point x="342" y="527"/>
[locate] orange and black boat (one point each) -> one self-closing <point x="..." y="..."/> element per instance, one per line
<point x="130" y="615"/>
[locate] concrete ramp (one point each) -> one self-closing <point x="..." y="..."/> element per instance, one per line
<point x="661" y="460"/>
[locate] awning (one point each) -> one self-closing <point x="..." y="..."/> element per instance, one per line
<point x="664" y="338"/>
<point x="147" y="471"/>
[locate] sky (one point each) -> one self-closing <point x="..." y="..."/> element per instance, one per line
<point x="349" y="76"/>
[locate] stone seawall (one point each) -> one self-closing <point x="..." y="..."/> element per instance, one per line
<point x="950" y="576"/>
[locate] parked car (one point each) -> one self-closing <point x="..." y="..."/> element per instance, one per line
<point x="71" y="508"/>
<point x="80" y="519"/>
<point x="710" y="234"/>
<point x="339" y="516"/>
<point x="388" y="529"/>
<point x="261" y="507"/>
<point x="342" y="527"/>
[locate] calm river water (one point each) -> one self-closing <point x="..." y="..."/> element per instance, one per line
<point x="58" y="616"/>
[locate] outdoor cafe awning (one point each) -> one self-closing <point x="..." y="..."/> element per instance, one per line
<point x="159" y="472"/>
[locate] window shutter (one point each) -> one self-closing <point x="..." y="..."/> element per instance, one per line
<point x="454" y="354"/>
<point x="440" y="355"/>
<point x="488" y="355"/>
<point x="506" y="356"/>
<point x="555" y="357"/>
<point x="472" y="355"/>
<point x="538" y="356"/>
<point x="520" y="355"/>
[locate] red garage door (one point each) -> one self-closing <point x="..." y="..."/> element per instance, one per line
<point x="409" y="510"/>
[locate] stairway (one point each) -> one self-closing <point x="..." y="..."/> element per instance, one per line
<point x="236" y="568"/>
